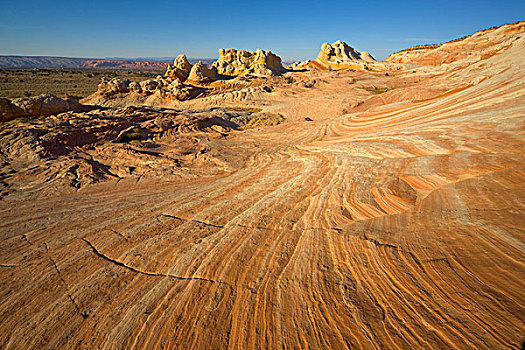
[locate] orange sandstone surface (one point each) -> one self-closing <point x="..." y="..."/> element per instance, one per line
<point x="381" y="212"/>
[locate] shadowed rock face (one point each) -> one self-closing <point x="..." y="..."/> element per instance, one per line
<point x="236" y="62"/>
<point x="42" y="105"/>
<point x="392" y="219"/>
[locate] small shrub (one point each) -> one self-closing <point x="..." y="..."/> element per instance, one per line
<point x="264" y="120"/>
<point x="243" y="109"/>
<point x="132" y="135"/>
<point x="290" y="80"/>
<point x="377" y="91"/>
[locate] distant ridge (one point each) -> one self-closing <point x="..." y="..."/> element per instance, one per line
<point x="13" y="62"/>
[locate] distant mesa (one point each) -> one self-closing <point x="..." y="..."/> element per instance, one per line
<point x="25" y="62"/>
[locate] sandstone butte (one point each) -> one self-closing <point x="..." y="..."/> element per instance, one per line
<point x="383" y="209"/>
<point x="339" y="56"/>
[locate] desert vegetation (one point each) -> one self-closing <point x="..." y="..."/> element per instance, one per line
<point x="376" y="90"/>
<point x="16" y="83"/>
<point x="266" y="119"/>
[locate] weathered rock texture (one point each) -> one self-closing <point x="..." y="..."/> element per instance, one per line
<point x="201" y="74"/>
<point x="299" y="65"/>
<point x="180" y="69"/>
<point x="42" y="105"/>
<point x="133" y="92"/>
<point x="389" y="221"/>
<point x="236" y="62"/>
<point x="183" y="81"/>
<point x="340" y="55"/>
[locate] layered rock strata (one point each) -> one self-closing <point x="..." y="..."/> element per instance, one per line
<point x="480" y="45"/>
<point x="340" y="55"/>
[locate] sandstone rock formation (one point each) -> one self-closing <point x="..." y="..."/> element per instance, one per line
<point x="236" y="62"/>
<point x="482" y="44"/>
<point x="166" y="88"/>
<point x="299" y="65"/>
<point x="42" y="105"/>
<point x="180" y="69"/>
<point x="113" y="86"/>
<point x="178" y="82"/>
<point x="394" y="219"/>
<point x="340" y="55"/>
<point x="411" y="54"/>
<point x="149" y="85"/>
<point x="201" y="74"/>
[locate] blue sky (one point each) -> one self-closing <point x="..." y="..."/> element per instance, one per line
<point x="292" y="29"/>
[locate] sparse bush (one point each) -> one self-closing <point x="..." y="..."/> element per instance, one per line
<point x="377" y="91"/>
<point x="131" y="135"/>
<point x="243" y="109"/>
<point x="264" y="120"/>
<point x="290" y="80"/>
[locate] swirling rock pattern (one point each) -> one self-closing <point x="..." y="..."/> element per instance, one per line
<point x="390" y="227"/>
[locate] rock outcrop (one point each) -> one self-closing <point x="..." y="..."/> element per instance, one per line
<point x="163" y="88"/>
<point x="300" y="65"/>
<point x="201" y="74"/>
<point x="113" y="86"/>
<point x="42" y="105"/>
<point x="180" y="70"/>
<point x="237" y="62"/>
<point x="340" y="55"/>
<point x="480" y="45"/>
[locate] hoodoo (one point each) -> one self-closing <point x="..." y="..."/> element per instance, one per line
<point x="237" y="62"/>
<point x="180" y="70"/>
<point x="201" y="74"/>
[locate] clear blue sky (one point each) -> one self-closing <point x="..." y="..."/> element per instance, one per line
<point x="292" y="29"/>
